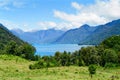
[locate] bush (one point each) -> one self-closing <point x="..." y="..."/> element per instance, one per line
<point x="92" y="70"/>
<point x="110" y="65"/>
<point x="37" y="65"/>
<point x="31" y="66"/>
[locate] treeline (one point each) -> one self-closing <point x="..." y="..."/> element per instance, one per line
<point x="24" y="50"/>
<point x="106" y="54"/>
<point x="10" y="44"/>
<point x="6" y="36"/>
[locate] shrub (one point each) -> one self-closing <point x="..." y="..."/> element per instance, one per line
<point x="92" y="70"/>
<point x="31" y="66"/>
<point x="110" y="65"/>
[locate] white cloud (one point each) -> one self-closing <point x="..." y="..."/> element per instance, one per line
<point x="58" y="26"/>
<point x="101" y="12"/>
<point x="11" y="25"/>
<point x="76" y="5"/>
<point x="64" y="26"/>
<point x="109" y="9"/>
<point x="18" y="4"/>
<point x="46" y="25"/>
<point x="79" y="19"/>
<point x="10" y="4"/>
<point x="8" y="24"/>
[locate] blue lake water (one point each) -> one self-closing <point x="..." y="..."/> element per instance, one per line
<point x="50" y="49"/>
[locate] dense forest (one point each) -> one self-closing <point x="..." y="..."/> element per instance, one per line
<point x="10" y="44"/>
<point x="106" y="54"/>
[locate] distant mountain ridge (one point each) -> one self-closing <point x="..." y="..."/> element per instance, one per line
<point x="90" y="35"/>
<point x="85" y="34"/>
<point x="41" y="36"/>
<point x="76" y="35"/>
<point x="102" y="32"/>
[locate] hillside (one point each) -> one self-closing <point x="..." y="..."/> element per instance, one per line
<point x="112" y="42"/>
<point x="6" y="36"/>
<point x="10" y="44"/>
<point x="16" y="68"/>
<point x="102" y="32"/>
<point x="84" y="35"/>
<point x="76" y="35"/>
<point x="90" y="35"/>
<point x="41" y="36"/>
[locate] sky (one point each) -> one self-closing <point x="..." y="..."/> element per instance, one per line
<point x="30" y="15"/>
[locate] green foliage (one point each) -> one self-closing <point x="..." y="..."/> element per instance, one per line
<point x="110" y="65"/>
<point x="41" y="64"/>
<point x="28" y="51"/>
<point x="10" y="44"/>
<point x="6" y="36"/>
<point x="110" y="50"/>
<point x="98" y="55"/>
<point x="110" y="56"/>
<point x="10" y="70"/>
<point x="38" y="65"/>
<point x="57" y="56"/>
<point x="92" y="70"/>
<point x="112" y="42"/>
<point x="90" y="55"/>
<point x="11" y="48"/>
<point x="119" y="57"/>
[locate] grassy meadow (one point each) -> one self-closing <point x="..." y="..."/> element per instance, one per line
<point x="16" y="68"/>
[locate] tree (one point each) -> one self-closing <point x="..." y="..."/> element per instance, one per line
<point x="100" y="50"/>
<point x="119" y="57"/>
<point x="74" y="58"/>
<point x="68" y="59"/>
<point x="92" y="70"/>
<point x="27" y="51"/>
<point x="57" y="56"/>
<point x="11" y="48"/>
<point x="89" y="55"/>
<point x="1" y="46"/>
<point x="112" y="42"/>
<point x="64" y="58"/>
<point x="110" y="56"/>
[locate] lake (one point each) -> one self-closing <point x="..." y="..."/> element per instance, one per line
<point x="50" y="49"/>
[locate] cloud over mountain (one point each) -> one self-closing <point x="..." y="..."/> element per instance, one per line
<point x="100" y="12"/>
<point x="62" y="14"/>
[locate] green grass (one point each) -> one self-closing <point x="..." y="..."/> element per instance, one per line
<point x="16" y="68"/>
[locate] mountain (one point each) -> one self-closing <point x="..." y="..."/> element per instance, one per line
<point x="90" y="35"/>
<point x="17" y="32"/>
<point x="76" y="35"/>
<point x="102" y="32"/>
<point x="41" y="36"/>
<point x="83" y="35"/>
<point x="6" y="36"/>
